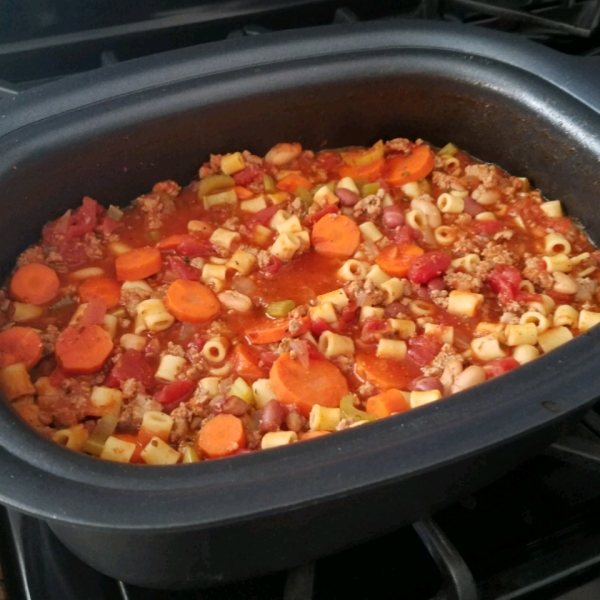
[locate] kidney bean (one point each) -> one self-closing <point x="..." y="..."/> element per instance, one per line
<point x="235" y="406"/>
<point x="424" y="384"/>
<point x="393" y="309"/>
<point x="472" y="207"/>
<point x="437" y="284"/>
<point x="423" y="293"/>
<point x="347" y="197"/>
<point x="272" y="417"/>
<point x="393" y="217"/>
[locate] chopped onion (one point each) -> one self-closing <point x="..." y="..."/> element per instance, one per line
<point x="300" y="347"/>
<point x="371" y="249"/>
<point x="243" y="285"/>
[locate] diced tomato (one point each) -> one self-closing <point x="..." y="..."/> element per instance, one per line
<point x="349" y="312"/>
<point x="561" y="225"/>
<point x="317" y="216"/>
<point x="504" y="281"/>
<point x="55" y="231"/>
<point x="265" y="215"/>
<point x="318" y="326"/>
<point x="330" y="161"/>
<point x="178" y="391"/>
<point x="500" y="366"/>
<point x="272" y="266"/>
<point x="94" y="312"/>
<point x="248" y="175"/>
<point x="193" y="247"/>
<point x="130" y="365"/>
<point x="107" y="226"/>
<point x="84" y="219"/>
<point x="424" y="348"/>
<point x="487" y="227"/>
<point x="371" y="330"/>
<point x="182" y="270"/>
<point x="57" y="377"/>
<point x="428" y="266"/>
<point x="560" y="298"/>
<point x="268" y="358"/>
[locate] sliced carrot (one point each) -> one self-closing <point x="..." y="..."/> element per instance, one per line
<point x="385" y="373"/>
<point x="34" y="284"/>
<point x="20" y="345"/>
<point x="105" y="288"/>
<point x="245" y="363"/>
<point x="221" y="436"/>
<point x="274" y="330"/>
<point x="320" y="382"/>
<point x="396" y="259"/>
<point x="411" y="167"/>
<point x="83" y="351"/>
<point x="138" y="263"/>
<point x="335" y="236"/>
<point x="172" y="241"/>
<point x="311" y="435"/>
<point x="292" y="181"/>
<point x="243" y="193"/>
<point x="371" y="171"/>
<point x="191" y="302"/>
<point x="388" y="402"/>
<point x="132" y="439"/>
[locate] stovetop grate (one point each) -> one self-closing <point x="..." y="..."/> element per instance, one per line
<point x="60" y="48"/>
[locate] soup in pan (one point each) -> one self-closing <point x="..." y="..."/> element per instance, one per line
<point x="283" y="298"/>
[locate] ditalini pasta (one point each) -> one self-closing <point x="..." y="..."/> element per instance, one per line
<point x="281" y="298"/>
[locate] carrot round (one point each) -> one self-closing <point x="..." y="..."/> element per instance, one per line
<point x="396" y="259"/>
<point x="271" y="331"/>
<point x="172" y="241"/>
<point x="291" y="182"/>
<point x="370" y="171"/>
<point x="83" y="351"/>
<point x="385" y="373"/>
<point x="321" y="382"/>
<point x="34" y="284"/>
<point x="335" y="236"/>
<point x="105" y="288"/>
<point x="389" y="402"/>
<point x="245" y="362"/>
<point x="221" y="436"/>
<point x="138" y="263"/>
<point x="411" y="167"/>
<point x="191" y="302"/>
<point x="311" y="435"/>
<point x="20" y="345"/>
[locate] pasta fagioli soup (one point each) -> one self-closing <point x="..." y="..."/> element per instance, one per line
<point x="281" y="298"/>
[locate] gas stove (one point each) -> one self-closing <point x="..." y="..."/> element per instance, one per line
<point x="533" y="534"/>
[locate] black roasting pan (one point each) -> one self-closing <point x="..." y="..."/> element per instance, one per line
<point x="113" y="132"/>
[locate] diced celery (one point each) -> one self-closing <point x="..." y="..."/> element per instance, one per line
<point x="360" y="182"/>
<point x="449" y="149"/>
<point x="349" y="411"/>
<point x="190" y="455"/>
<point x="153" y="235"/>
<point x="269" y="184"/>
<point x="305" y="196"/>
<point x="242" y="390"/>
<point x="114" y="212"/>
<point x="280" y="308"/>
<point x="227" y="197"/>
<point x="360" y="158"/>
<point x="214" y="182"/>
<point x="369" y="188"/>
<point x="105" y="427"/>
